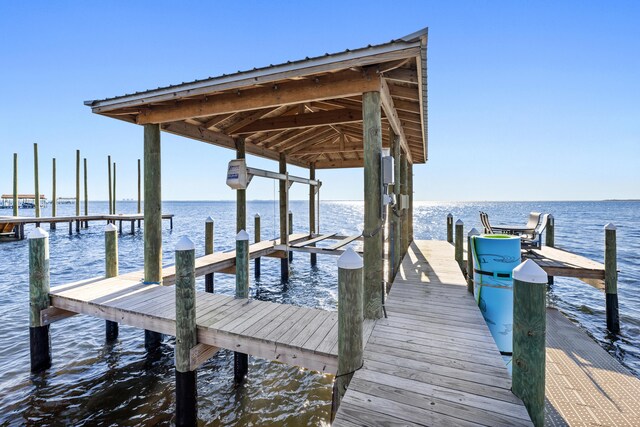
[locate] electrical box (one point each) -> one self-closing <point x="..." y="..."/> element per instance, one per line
<point x="387" y="170"/>
<point x="403" y="202"/>
<point x="237" y="176"/>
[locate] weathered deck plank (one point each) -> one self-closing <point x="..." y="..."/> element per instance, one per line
<point x="433" y="360"/>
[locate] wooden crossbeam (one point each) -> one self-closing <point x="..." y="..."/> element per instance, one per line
<point x="332" y="164"/>
<point x="337" y="85"/>
<point x="403" y="75"/>
<point x="299" y="121"/>
<point x="344" y="242"/>
<point x="408" y="93"/>
<point x="392" y="115"/>
<point x="314" y="240"/>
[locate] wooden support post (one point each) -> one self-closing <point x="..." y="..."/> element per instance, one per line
<point x="284" y="204"/>
<point x="152" y="216"/>
<point x="39" y="339"/>
<point x="350" y="318"/>
<point x="110" y="190"/>
<point x="241" y="195"/>
<point x="139" y="193"/>
<point x="54" y="197"/>
<point x="373" y="256"/>
<point x="208" y="249"/>
<point x="611" y="278"/>
<point x="290" y="222"/>
<point x="114" y="188"/>
<point x="77" y="183"/>
<point x="529" y="332"/>
<point x="15" y="184"/>
<point x="459" y="248"/>
<point x="257" y="238"/>
<point x="312" y="208"/>
<point x="410" y="194"/>
<point x="395" y="217"/>
<point x="70" y="228"/>
<point x="470" y="260"/>
<point x="449" y="228"/>
<point x="404" y="238"/>
<point x="111" y="270"/>
<point x="241" y="360"/>
<point x="186" y="334"/>
<point x="86" y="195"/>
<point x="550" y="232"/>
<point x="36" y="181"/>
<point x="120" y="227"/>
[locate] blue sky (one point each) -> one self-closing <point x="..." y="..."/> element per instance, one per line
<point x="527" y="100"/>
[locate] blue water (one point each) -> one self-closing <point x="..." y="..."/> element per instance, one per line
<point x="93" y="383"/>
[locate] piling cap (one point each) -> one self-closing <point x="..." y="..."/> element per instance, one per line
<point x="38" y="233"/>
<point x="209" y="219"/>
<point x="350" y="260"/>
<point x="530" y="272"/>
<point x="257" y="215"/>
<point x="185" y="244"/>
<point x="610" y="226"/>
<point x="110" y="227"/>
<point x="459" y="222"/>
<point x="474" y="232"/>
<point x="242" y="235"/>
<point x="449" y="216"/>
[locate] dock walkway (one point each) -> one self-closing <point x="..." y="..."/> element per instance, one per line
<point x="433" y="360"/>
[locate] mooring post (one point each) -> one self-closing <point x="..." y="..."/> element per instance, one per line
<point x="284" y="229"/>
<point x="109" y="180"/>
<point x="77" y="184"/>
<point x="257" y="238"/>
<point x="114" y="188"/>
<point x="152" y="217"/>
<point x="472" y="232"/>
<point x="54" y="201"/>
<point x="86" y="194"/>
<point x="529" y="333"/>
<point x="36" y="181"/>
<point x="459" y="249"/>
<point x="139" y="193"/>
<point x="186" y="333"/>
<point x="111" y="270"/>
<point x="15" y="184"/>
<point x="312" y="208"/>
<point x="611" y="278"/>
<point x="290" y="233"/>
<point x="241" y="360"/>
<point x="350" y="318"/>
<point x="208" y="249"/>
<point x="449" y="228"/>
<point x="550" y="236"/>
<point x="39" y="340"/>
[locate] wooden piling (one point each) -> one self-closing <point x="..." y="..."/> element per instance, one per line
<point x="404" y="237"/>
<point x="36" y="181"/>
<point x="86" y="194"/>
<point x="290" y="222"/>
<point x="39" y="339"/>
<point x="54" y="197"/>
<point x="470" y="261"/>
<point x="529" y="334"/>
<point x="77" y="183"/>
<point x="284" y="208"/>
<point x="152" y="216"/>
<point x="611" y="278"/>
<point x="208" y="249"/>
<point x="372" y="134"/>
<point x="312" y="208"/>
<point x="350" y="318"/>
<point x="449" y="228"/>
<point x="459" y="248"/>
<point x="111" y="270"/>
<point x="550" y="231"/>
<point x="114" y="188"/>
<point x="257" y="238"/>
<point x="139" y="191"/>
<point x="109" y="180"/>
<point x="241" y="360"/>
<point x="186" y="333"/>
<point x="410" y="194"/>
<point x="396" y="216"/>
<point x="15" y="184"/>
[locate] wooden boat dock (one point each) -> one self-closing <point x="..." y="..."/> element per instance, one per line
<point x="17" y="223"/>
